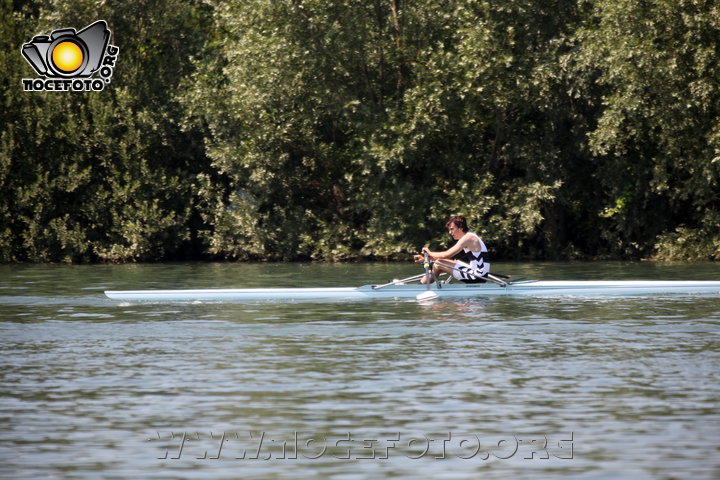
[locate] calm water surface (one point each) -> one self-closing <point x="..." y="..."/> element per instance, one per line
<point x="586" y="388"/>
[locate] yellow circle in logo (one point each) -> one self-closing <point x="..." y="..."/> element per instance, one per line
<point x="67" y="56"/>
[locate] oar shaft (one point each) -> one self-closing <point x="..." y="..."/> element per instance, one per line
<point x="403" y="280"/>
<point x="426" y="264"/>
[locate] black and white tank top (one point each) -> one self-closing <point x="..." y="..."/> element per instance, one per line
<point x="479" y="261"/>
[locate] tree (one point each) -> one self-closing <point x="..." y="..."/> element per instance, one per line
<point x="656" y="142"/>
<point x="308" y="129"/>
<point x="103" y="175"/>
<point x="336" y="124"/>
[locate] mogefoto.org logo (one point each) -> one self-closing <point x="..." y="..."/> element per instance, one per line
<point x="68" y="59"/>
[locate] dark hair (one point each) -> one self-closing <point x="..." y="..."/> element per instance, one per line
<point x="459" y="221"/>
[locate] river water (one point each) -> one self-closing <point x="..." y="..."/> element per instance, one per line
<point x="564" y="387"/>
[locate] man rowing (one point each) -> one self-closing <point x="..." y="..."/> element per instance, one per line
<point x="477" y="265"/>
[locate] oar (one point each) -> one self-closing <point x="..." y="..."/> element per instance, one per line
<point x="399" y="282"/>
<point x="496" y="279"/>
<point x="429" y="294"/>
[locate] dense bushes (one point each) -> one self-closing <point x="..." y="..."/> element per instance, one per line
<point x="288" y="129"/>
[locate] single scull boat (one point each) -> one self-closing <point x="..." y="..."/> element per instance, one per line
<point x="397" y="289"/>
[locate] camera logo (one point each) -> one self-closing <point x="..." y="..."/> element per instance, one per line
<point x="68" y="59"/>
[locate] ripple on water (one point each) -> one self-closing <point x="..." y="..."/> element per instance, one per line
<point x="631" y="383"/>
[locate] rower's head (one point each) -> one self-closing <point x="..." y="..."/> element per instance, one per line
<point x="457" y="223"/>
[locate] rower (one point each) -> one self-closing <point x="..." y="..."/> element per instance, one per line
<point x="477" y="265"/>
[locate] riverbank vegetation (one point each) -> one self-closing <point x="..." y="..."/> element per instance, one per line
<point x="345" y="129"/>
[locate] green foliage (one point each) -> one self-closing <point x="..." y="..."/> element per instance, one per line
<point x="656" y="142"/>
<point x="346" y="129"/>
<point x="101" y="175"/>
<point x="307" y="129"/>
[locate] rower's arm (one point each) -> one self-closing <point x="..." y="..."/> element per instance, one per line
<point x="449" y="253"/>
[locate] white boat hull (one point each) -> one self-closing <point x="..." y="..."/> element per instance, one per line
<point x="535" y="288"/>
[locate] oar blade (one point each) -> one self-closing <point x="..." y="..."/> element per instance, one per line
<point x="427" y="295"/>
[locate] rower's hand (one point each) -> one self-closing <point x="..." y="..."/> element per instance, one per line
<point x="418" y="258"/>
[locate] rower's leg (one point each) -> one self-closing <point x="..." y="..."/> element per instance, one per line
<point x="437" y="269"/>
<point x="448" y="267"/>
